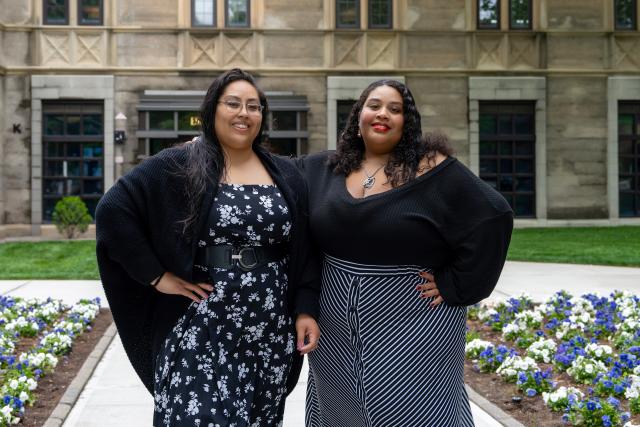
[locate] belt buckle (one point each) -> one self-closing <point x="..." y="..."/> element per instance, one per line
<point x="240" y="257"/>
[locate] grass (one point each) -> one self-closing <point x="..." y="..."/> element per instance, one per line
<point x="580" y="245"/>
<point x="586" y="245"/>
<point x="70" y="260"/>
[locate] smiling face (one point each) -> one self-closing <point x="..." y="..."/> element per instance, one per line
<point x="382" y="120"/>
<point x="236" y="123"/>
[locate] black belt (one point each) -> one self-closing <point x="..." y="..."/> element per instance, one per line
<point x="245" y="257"/>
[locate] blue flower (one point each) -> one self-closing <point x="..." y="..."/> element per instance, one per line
<point x="591" y="405"/>
<point x="606" y="421"/>
<point x="613" y="401"/>
<point x="531" y="392"/>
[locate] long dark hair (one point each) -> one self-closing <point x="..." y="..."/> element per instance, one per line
<point x="404" y="160"/>
<point x="205" y="159"/>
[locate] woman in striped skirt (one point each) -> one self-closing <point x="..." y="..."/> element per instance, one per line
<point x="410" y="238"/>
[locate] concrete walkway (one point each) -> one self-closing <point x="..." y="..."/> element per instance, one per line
<point x="114" y="397"/>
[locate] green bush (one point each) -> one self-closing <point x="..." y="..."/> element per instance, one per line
<point x="71" y="216"/>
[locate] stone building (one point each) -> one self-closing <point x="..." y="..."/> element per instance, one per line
<point x="540" y="98"/>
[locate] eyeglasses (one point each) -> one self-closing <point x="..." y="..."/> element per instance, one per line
<point x="236" y="107"/>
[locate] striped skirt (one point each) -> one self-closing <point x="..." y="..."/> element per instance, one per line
<point x="385" y="358"/>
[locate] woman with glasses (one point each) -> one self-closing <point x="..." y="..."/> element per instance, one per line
<point x="203" y="253"/>
<point x="410" y="237"/>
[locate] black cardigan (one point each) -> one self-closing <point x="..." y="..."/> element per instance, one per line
<point x="138" y="236"/>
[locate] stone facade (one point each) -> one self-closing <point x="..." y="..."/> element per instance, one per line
<point x="572" y="64"/>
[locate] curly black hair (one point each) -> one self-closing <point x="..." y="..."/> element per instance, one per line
<point x="404" y="161"/>
<point x="205" y="159"/>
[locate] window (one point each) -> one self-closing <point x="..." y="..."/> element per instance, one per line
<point x="287" y="125"/>
<point x="203" y="13"/>
<point x="520" y="14"/>
<point x="625" y="14"/>
<point x="73" y="140"/>
<point x="90" y="12"/>
<point x="158" y="130"/>
<point x="56" y="12"/>
<point x="507" y="153"/>
<point x="629" y="159"/>
<point x="343" y="109"/>
<point x="237" y="13"/>
<point x="380" y="14"/>
<point x="489" y="14"/>
<point x="348" y="13"/>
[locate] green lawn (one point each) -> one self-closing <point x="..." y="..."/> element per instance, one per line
<point x="49" y="260"/>
<point x="589" y="245"/>
<point x="584" y="245"/>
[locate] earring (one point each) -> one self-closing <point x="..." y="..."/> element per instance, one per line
<point x="359" y="135"/>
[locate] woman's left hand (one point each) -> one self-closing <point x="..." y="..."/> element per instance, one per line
<point x="429" y="289"/>
<point x="308" y="333"/>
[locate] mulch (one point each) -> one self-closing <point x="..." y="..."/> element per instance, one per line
<point x="52" y="387"/>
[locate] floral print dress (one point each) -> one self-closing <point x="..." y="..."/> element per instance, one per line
<point x="226" y="361"/>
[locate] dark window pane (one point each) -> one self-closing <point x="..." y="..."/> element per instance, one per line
<point x="506" y="183"/>
<point x="284" y="146"/>
<point x="504" y="125"/>
<point x="625" y="183"/>
<point x="161" y="120"/>
<point x="488" y="147"/>
<point x="487" y="124"/>
<point x="92" y="168"/>
<point x="91" y="206"/>
<point x="380" y="13"/>
<point x="627" y="204"/>
<point x="237" y="13"/>
<point x="625" y="147"/>
<point x="73" y="125"/>
<point x="54" y="187"/>
<point x="520" y="12"/>
<point x="344" y="108"/>
<point x="73" y="150"/>
<point x="55" y="149"/>
<point x="284" y="120"/>
<point x="92" y="187"/>
<point x="523" y="125"/>
<point x="157" y="145"/>
<point x="204" y="12"/>
<point x="506" y="166"/>
<point x="73" y="169"/>
<point x="625" y="124"/>
<point x="524" y="148"/>
<point x="347" y="13"/>
<point x="90" y="12"/>
<point x="524" y="184"/>
<point x="488" y="166"/>
<point x="303" y="120"/>
<point x="523" y="205"/>
<point x="53" y="168"/>
<point x="524" y="166"/>
<point x="488" y="13"/>
<point x="53" y="124"/>
<point x="506" y="147"/>
<point x="92" y="124"/>
<point x="625" y="14"/>
<point x="55" y="11"/>
<point x="47" y="208"/>
<point x="626" y="165"/>
<point x="92" y="150"/>
<point x="74" y="187"/>
<point x="189" y="121"/>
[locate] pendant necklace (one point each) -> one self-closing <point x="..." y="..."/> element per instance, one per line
<point x="368" y="182"/>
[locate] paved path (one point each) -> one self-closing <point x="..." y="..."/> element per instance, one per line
<point x="114" y="397"/>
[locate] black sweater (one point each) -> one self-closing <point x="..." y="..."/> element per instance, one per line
<point x="138" y="236"/>
<point x="447" y="220"/>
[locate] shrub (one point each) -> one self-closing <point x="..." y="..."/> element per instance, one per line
<point x="71" y="216"/>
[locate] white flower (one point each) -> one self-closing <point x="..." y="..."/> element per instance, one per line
<point x="13" y="384"/>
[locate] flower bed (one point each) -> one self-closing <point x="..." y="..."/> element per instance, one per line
<point x="578" y="355"/>
<point x="52" y="327"/>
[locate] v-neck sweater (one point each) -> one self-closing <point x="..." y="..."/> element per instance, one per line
<point x="447" y="220"/>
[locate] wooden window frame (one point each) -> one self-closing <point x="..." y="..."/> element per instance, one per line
<point x="358" y="20"/>
<point x="511" y="27"/>
<point x="388" y="25"/>
<point x="634" y="26"/>
<point x="90" y="24"/>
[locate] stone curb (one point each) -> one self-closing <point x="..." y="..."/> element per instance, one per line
<point x="498" y="414"/>
<point x="70" y="396"/>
